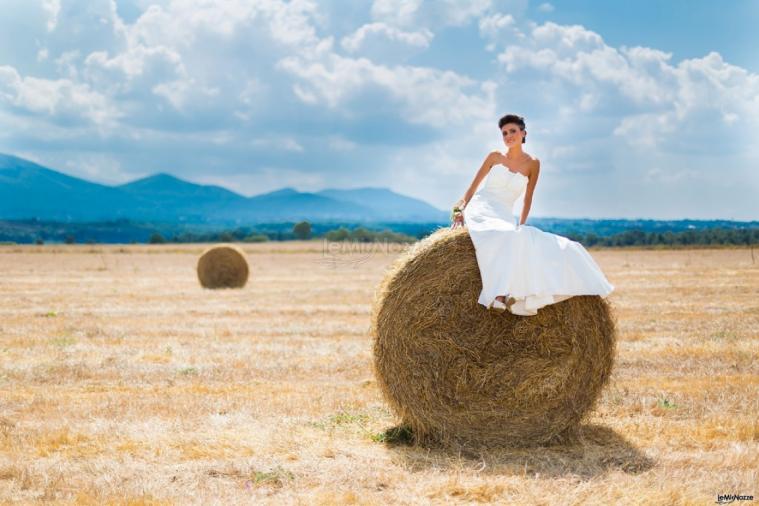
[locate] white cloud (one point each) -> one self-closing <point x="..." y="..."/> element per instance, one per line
<point x="646" y="130"/>
<point x="280" y="143"/>
<point x="137" y="65"/>
<point x="338" y="143"/>
<point x="66" y="64"/>
<point x="729" y="118"/>
<point x="59" y="99"/>
<point x="52" y="8"/>
<point x="546" y="7"/>
<point x="425" y="95"/>
<point x="658" y="176"/>
<point x="458" y="12"/>
<point x="657" y="92"/>
<point x="432" y="15"/>
<point x="382" y="32"/>
<point x="491" y="25"/>
<point x="182" y="22"/>
<point x="498" y="27"/>
<point x="399" y="12"/>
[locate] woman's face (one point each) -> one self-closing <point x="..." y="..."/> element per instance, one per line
<point x="512" y="134"/>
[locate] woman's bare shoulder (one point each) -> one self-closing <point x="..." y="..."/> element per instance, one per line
<point x="532" y="161"/>
<point x="493" y="158"/>
<point x="533" y="166"/>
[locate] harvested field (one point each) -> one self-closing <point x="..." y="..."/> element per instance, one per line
<point x="123" y="381"/>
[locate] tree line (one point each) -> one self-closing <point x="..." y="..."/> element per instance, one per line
<point x="26" y="232"/>
<point x="303" y="231"/>
<point x="698" y="237"/>
<point x="300" y="231"/>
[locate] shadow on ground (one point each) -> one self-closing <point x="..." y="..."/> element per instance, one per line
<point x="591" y="450"/>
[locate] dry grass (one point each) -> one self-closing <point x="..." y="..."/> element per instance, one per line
<point x="123" y="382"/>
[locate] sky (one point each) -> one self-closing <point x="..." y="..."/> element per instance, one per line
<point x="642" y="109"/>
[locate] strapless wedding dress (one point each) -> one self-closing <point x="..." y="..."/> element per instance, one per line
<point x="534" y="267"/>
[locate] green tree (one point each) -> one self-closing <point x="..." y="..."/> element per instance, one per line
<point x="227" y="237"/>
<point x="156" y="238"/>
<point x="256" y="238"/>
<point x="302" y="230"/>
<point x="339" y="234"/>
<point x="361" y="234"/>
<point x="591" y="239"/>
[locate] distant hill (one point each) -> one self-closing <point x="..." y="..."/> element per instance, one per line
<point x="385" y="203"/>
<point x="290" y="205"/>
<point x="28" y="190"/>
<point x="40" y="197"/>
<point x="163" y="197"/>
<point x="31" y="191"/>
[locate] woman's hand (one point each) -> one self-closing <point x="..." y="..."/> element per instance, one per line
<point x="458" y="220"/>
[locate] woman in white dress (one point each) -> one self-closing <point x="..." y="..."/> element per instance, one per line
<point x="522" y="267"/>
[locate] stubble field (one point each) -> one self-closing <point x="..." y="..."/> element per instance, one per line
<point x="123" y="382"/>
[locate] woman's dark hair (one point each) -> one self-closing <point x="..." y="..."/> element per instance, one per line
<point x="513" y="118"/>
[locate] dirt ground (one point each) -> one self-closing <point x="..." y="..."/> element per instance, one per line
<point x="123" y="382"/>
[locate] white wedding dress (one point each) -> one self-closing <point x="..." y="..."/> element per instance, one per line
<point x="534" y="267"/>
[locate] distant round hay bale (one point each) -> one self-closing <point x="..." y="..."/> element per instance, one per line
<point x="459" y="375"/>
<point x="223" y="266"/>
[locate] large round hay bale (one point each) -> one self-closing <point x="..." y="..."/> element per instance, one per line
<point x="457" y="374"/>
<point x="223" y="266"/>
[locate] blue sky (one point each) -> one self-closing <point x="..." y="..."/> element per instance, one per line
<point x="641" y="109"/>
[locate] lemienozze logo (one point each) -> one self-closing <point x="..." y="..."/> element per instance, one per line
<point x="728" y="498"/>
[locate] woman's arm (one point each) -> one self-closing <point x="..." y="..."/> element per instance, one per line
<point x="490" y="160"/>
<point x="531" y="182"/>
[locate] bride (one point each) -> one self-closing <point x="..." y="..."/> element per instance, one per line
<point x="522" y="267"/>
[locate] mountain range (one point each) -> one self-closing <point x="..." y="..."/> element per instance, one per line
<point x="29" y="190"/>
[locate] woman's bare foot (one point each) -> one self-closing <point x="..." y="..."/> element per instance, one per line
<point x="502" y="298"/>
